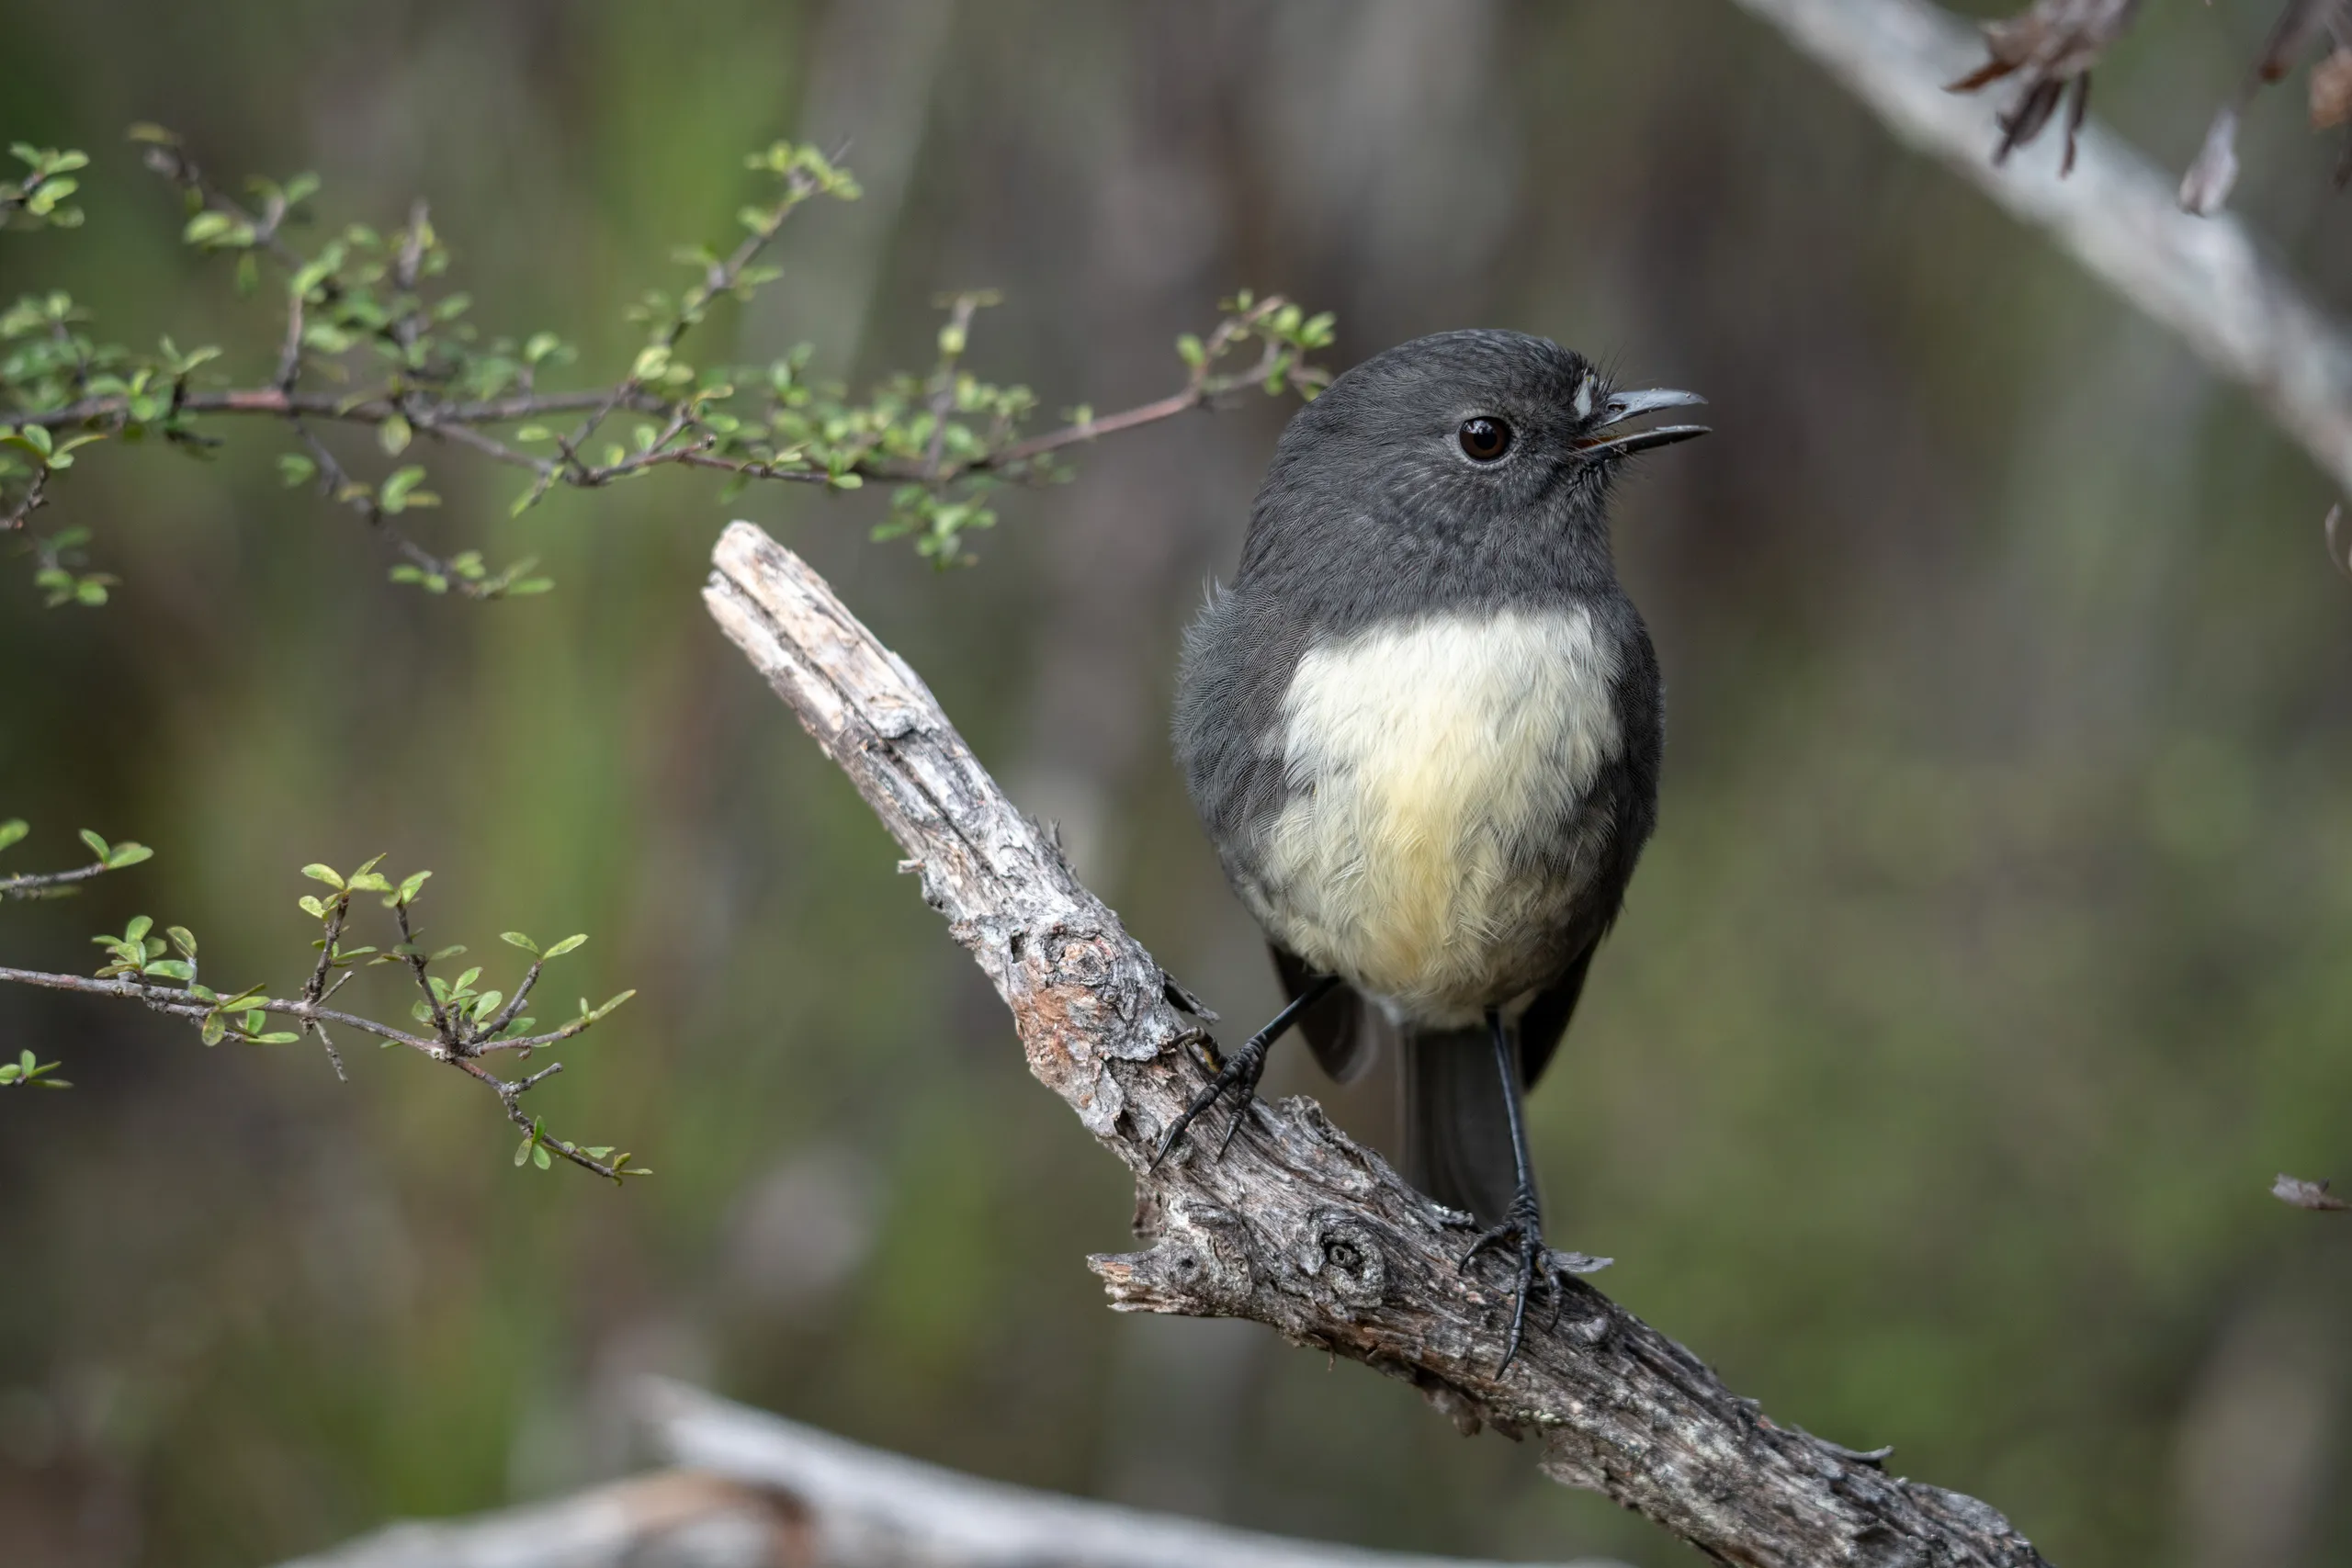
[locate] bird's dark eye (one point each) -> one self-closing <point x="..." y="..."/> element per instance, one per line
<point x="1485" y="439"/>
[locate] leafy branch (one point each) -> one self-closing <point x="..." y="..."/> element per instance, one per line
<point x="37" y="200"/>
<point x="28" y="1068"/>
<point x="371" y="336"/>
<point x="59" y="884"/>
<point x="458" y="1021"/>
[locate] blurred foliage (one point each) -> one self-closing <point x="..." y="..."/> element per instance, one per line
<point x="1988" y="963"/>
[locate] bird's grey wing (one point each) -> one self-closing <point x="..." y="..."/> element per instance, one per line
<point x="1628" y="791"/>
<point x="1546" y="1018"/>
<point x="1343" y="1030"/>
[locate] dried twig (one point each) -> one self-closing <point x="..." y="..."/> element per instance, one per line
<point x="2304" y="1194"/>
<point x="2207" y="183"/>
<point x="2050" y="47"/>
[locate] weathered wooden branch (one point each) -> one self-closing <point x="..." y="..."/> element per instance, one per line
<point x="756" y="1491"/>
<point x="1298" y="1227"/>
<point x="2116" y="213"/>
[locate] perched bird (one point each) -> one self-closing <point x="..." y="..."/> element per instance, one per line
<point x="1422" y="727"/>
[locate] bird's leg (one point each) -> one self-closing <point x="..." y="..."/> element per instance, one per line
<point x="1523" y="1221"/>
<point x="1242" y="1073"/>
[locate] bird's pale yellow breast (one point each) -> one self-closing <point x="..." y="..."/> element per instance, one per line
<point x="1424" y="756"/>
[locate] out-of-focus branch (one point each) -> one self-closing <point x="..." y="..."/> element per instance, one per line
<point x="756" y="1491"/>
<point x="2296" y="1192"/>
<point x="670" y="1519"/>
<point x="2116" y="214"/>
<point x="1297" y="1226"/>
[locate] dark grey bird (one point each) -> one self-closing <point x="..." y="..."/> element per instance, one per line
<point x="1422" y="727"/>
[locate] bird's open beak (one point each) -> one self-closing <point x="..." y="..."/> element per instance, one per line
<point x="1622" y="406"/>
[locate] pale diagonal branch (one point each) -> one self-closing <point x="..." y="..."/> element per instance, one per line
<point x="1298" y="1227"/>
<point x="2116" y="214"/>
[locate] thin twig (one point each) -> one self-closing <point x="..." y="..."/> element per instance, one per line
<point x="33" y="884"/>
<point x="179" y="1004"/>
<point x="452" y="1044"/>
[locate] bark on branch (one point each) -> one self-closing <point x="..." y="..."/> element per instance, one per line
<point x="2116" y="214"/>
<point x="1298" y="1227"/>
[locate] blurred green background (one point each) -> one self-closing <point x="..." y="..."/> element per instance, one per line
<point x="1991" y="957"/>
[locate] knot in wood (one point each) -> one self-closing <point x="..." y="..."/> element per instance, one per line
<point x="1077" y="958"/>
<point x="1346" y="1254"/>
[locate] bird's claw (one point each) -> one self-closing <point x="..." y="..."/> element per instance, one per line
<point x="1535" y="1262"/>
<point x="1239" y="1075"/>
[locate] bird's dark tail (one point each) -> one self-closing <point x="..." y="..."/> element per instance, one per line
<point x="1457" y="1127"/>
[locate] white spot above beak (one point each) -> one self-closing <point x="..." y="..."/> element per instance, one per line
<point x="1584" y="397"/>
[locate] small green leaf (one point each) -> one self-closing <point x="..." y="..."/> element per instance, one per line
<point x="296" y="469"/>
<point x="183" y="939"/>
<point x="98" y="846"/>
<point x="312" y="907"/>
<point x="539" y="1157"/>
<point x="566" y="945"/>
<point x="400" y="492"/>
<point x="395" y="436"/>
<point x="12" y="830"/>
<point x="516" y="939"/>
<point x="127" y="854"/>
<point x="325" y="873"/>
<point x="136" y="931"/>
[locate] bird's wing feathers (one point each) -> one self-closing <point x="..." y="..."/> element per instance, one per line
<point x="1546" y="1018"/>
<point x="1344" y="1031"/>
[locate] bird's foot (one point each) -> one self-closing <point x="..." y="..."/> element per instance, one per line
<point x="1238" y="1077"/>
<point x="1536" y="1264"/>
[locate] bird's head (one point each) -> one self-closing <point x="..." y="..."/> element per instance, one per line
<point x="1467" y="433"/>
